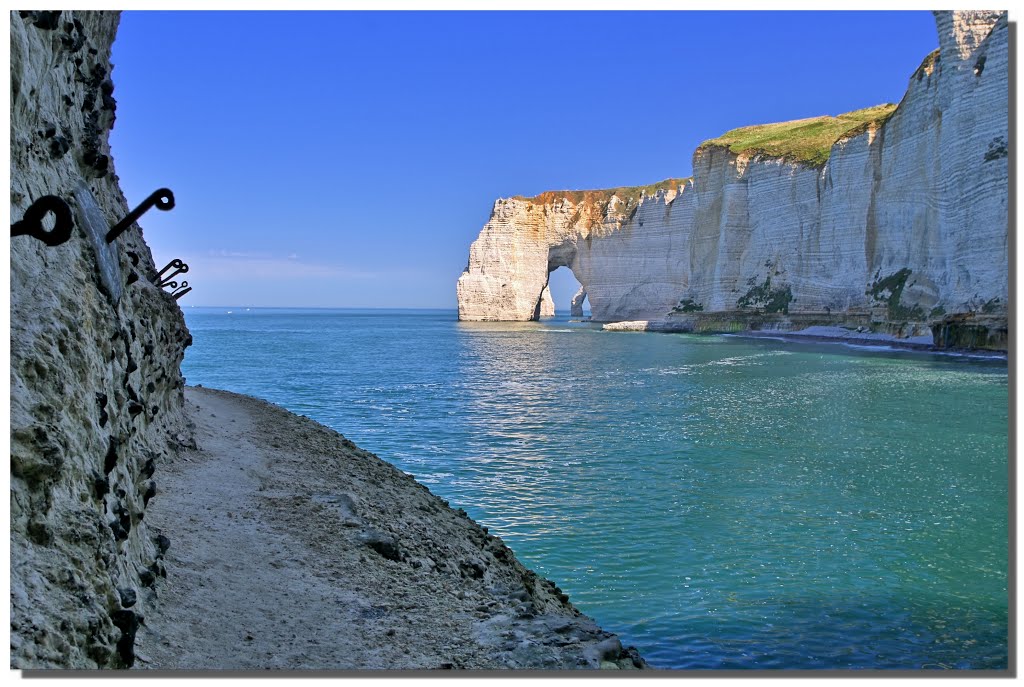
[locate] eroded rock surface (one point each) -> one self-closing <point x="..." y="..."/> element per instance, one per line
<point x="905" y="224"/>
<point x="576" y="308"/>
<point x="96" y="392"/>
<point x="547" y="304"/>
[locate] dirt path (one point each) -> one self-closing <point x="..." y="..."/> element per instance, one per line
<point x="292" y="548"/>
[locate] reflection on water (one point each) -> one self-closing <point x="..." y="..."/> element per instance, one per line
<point x="718" y="502"/>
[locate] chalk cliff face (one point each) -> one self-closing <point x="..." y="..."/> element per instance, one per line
<point x="903" y="228"/>
<point x="547" y="304"/>
<point x="96" y="392"/>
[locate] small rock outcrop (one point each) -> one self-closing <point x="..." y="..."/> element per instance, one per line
<point x="901" y="223"/>
<point x="96" y="391"/>
<point x="576" y="308"/>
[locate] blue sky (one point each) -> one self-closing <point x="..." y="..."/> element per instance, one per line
<point x="348" y="159"/>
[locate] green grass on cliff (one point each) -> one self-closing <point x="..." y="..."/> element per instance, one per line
<point x="807" y="141"/>
<point x="629" y="194"/>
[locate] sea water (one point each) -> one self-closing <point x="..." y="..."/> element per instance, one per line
<point x="719" y="502"/>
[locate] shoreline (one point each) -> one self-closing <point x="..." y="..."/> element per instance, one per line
<point x="876" y="341"/>
<point x="293" y="549"/>
<point x="816" y="334"/>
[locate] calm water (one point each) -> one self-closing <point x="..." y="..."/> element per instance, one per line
<point x="718" y="502"/>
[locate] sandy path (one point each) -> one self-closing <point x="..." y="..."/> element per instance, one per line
<point x="292" y="548"/>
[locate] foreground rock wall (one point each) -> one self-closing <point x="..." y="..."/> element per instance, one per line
<point x="96" y="392"/>
<point x="906" y="224"/>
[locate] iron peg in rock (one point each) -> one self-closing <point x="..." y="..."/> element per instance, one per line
<point x="32" y="223"/>
<point x="181" y="291"/>
<point x="162" y="198"/>
<point x="177" y="265"/>
<point x="176" y="289"/>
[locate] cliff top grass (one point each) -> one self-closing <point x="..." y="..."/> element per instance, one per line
<point x="628" y="194"/>
<point x="807" y="141"/>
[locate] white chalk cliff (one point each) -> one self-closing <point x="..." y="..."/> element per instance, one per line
<point x="547" y="303"/>
<point x="903" y="227"/>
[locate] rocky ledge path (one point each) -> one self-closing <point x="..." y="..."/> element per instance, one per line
<point x="291" y="548"/>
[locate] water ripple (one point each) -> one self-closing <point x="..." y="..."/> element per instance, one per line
<point x="719" y="502"/>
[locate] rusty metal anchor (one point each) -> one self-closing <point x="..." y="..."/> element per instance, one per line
<point x="179" y="267"/>
<point x="32" y="223"/>
<point x="162" y="198"/>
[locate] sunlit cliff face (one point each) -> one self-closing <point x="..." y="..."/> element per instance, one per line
<point x="902" y="225"/>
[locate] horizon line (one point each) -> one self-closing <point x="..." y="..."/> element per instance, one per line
<point x="327" y="307"/>
<point x="322" y="307"/>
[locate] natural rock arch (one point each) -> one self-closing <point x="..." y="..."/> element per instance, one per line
<point x="526" y="239"/>
<point x="558" y="257"/>
<point x="510" y="263"/>
<point x="563" y="284"/>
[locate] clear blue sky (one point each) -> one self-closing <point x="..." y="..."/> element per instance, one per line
<point x="349" y="158"/>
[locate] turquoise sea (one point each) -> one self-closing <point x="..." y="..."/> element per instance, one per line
<point x="719" y="502"/>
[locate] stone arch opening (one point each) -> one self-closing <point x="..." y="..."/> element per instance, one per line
<point x="568" y="295"/>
